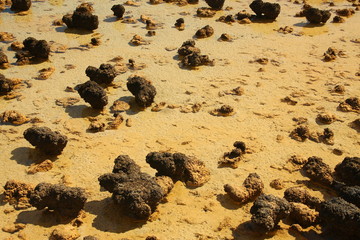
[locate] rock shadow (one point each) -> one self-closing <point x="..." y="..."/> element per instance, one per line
<point x="42" y="218"/>
<point x="110" y="217"/>
<point x="227" y="202"/>
<point x="81" y="111"/>
<point x="27" y="156"/>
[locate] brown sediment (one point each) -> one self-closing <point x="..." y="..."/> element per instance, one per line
<point x="17" y="194"/>
<point x="13" y="117"/>
<point x="223" y="111"/>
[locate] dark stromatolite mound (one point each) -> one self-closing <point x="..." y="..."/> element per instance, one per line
<point x="93" y="94"/>
<point x="82" y="18"/>
<point x="265" y="9"/>
<point x="318" y="171"/>
<point x="66" y="201"/>
<point x="142" y="89"/>
<point x="350" y="194"/>
<point x="301" y="195"/>
<point x="341" y="216"/>
<point x="47" y="141"/>
<point x="267" y="212"/>
<point x="104" y="74"/>
<point x="204" y="32"/>
<point x="118" y="10"/>
<point x="34" y="50"/>
<point x="349" y="171"/>
<point x="194" y="60"/>
<point x="137" y="192"/>
<point x="17" y="194"/>
<point x="317" y="16"/>
<point x="303" y="215"/>
<point x="251" y="188"/>
<point x="215" y="4"/>
<point x="20" y="5"/>
<point x="179" y="167"/>
<point x="6" y="85"/>
<point x="187" y="48"/>
<point x="4" y="61"/>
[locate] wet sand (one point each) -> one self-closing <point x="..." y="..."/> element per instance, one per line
<point x="296" y="69"/>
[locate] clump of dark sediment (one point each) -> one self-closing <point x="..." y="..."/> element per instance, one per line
<point x="348" y="171"/>
<point x="267" y="211"/>
<point x="191" y="57"/>
<point x="301" y="133"/>
<point x="105" y="74"/>
<point x="227" y="19"/>
<point x="338" y="19"/>
<point x="233" y="158"/>
<point x="325" y="118"/>
<point x="82" y="18"/>
<point x="47" y="141"/>
<point x="301" y="195"/>
<point x="33" y="51"/>
<point x="242" y="15"/>
<point x="118" y="10"/>
<point x="6" y="85"/>
<point x="318" y="171"/>
<point x="265" y="10"/>
<point x="205" y="12"/>
<point x="225" y="38"/>
<point x="341" y="216"/>
<point x="20" y="5"/>
<point x="350" y="105"/>
<point x="179" y="167"/>
<point x="303" y="215"/>
<point x="136" y="192"/>
<point x="215" y="4"/>
<point x="204" y="32"/>
<point x="93" y="94"/>
<point x="316" y="16"/>
<point x="65" y="201"/>
<point x="251" y="188"/>
<point x="346" y="12"/>
<point x="13" y="117"/>
<point x="223" y="111"/>
<point x="180" y="24"/>
<point x="4" y="61"/>
<point x="17" y="194"/>
<point x="332" y="53"/>
<point x="142" y="89"/>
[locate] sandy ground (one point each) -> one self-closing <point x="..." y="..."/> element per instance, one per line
<point x="262" y="120"/>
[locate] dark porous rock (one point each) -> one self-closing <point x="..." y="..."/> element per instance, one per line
<point x="233" y="158"/>
<point x="317" y="16"/>
<point x="205" y="12"/>
<point x="187" y="48"/>
<point x="4" y="61"/>
<point x="267" y="212"/>
<point x="318" y="171"/>
<point x="49" y="142"/>
<point x="136" y="192"/>
<point x="205" y="32"/>
<point x="303" y="215"/>
<point x="194" y="60"/>
<point x="34" y="50"/>
<point x="118" y="10"/>
<point x="82" y="18"/>
<point x="6" y="85"/>
<point x="179" y="167"/>
<point x="252" y="188"/>
<point x="180" y="24"/>
<point x="350" y="105"/>
<point x="350" y="194"/>
<point x="20" y="5"/>
<point x="300" y="133"/>
<point x="17" y="194"/>
<point x="215" y="4"/>
<point x="66" y="201"/>
<point x="90" y="238"/>
<point x="265" y="9"/>
<point x="93" y="94"/>
<point x="337" y="214"/>
<point x="301" y="195"/>
<point x="104" y="74"/>
<point x="142" y="89"/>
<point x="348" y="171"/>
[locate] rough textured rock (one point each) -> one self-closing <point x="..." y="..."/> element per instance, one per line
<point x="205" y="32"/>
<point x="316" y="16"/>
<point x="17" y="194"/>
<point x="350" y="194"/>
<point x="82" y="18"/>
<point x="187" y="48"/>
<point x="349" y="171"/>
<point x="252" y="188"/>
<point x="137" y="192"/>
<point x="223" y="111"/>
<point x="180" y="24"/>
<point x="205" y="12"/>
<point x="20" y="5"/>
<point x="6" y="85"/>
<point x="233" y="158"/>
<point x="33" y="51"/>
<point x="342" y="216"/>
<point x="265" y="9"/>
<point x="215" y="4"/>
<point x="179" y="167"/>
<point x="66" y="201"/>
<point x="267" y="212"/>
<point x="47" y="141"/>
<point x="104" y="74"/>
<point x="194" y="60"/>
<point x="326" y="118"/>
<point x="303" y="215"/>
<point x="300" y="133"/>
<point x="318" y="171"/>
<point x="142" y="89"/>
<point x="301" y="195"/>
<point x="64" y="233"/>
<point x="4" y="61"/>
<point x="350" y="105"/>
<point x="13" y="117"/>
<point x="118" y="10"/>
<point x="93" y="94"/>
